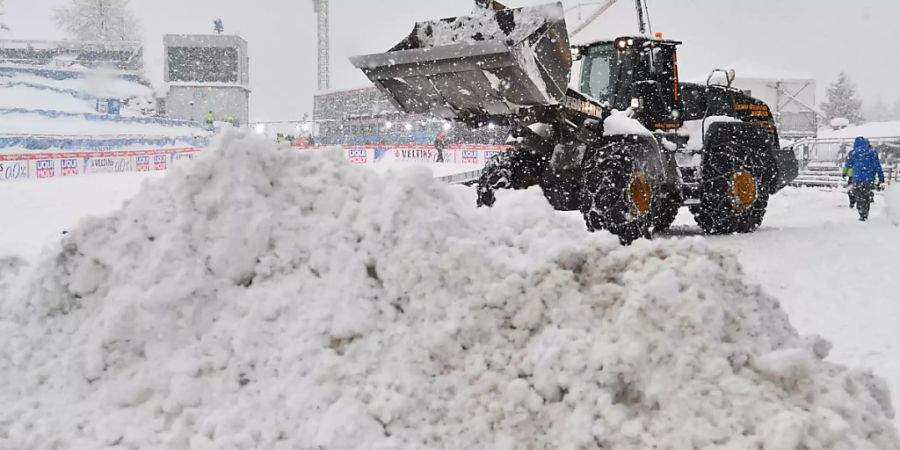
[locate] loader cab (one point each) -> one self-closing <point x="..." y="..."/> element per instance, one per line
<point x="635" y="72"/>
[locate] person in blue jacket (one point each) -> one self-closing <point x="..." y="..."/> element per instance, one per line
<point x="863" y="166"/>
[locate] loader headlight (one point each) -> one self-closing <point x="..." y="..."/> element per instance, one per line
<point x="576" y="54"/>
<point x="635" y="103"/>
<point x="622" y="44"/>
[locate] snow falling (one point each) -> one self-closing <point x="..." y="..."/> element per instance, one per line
<point x="520" y="227"/>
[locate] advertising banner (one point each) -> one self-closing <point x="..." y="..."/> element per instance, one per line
<point x="39" y="166"/>
<point x="358" y="156"/>
<point x="13" y="170"/>
<point x="476" y="155"/>
<point x="108" y="164"/>
<point x="69" y="167"/>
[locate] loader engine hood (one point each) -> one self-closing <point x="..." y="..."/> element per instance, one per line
<point x="491" y="63"/>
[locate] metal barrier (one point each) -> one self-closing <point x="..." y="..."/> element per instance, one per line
<point x="835" y="150"/>
<point x="821" y="159"/>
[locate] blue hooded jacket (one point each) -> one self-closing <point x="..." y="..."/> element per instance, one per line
<point x="863" y="163"/>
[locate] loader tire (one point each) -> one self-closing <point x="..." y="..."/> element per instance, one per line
<point x="616" y="195"/>
<point x="516" y="168"/>
<point x="734" y="192"/>
<point x="665" y="208"/>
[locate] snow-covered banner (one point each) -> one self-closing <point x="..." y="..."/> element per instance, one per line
<point x="53" y="165"/>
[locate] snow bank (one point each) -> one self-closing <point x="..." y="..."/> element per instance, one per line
<point x="275" y="299"/>
<point x="892" y="203"/>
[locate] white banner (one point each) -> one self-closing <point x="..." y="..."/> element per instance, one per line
<point x="37" y="166"/>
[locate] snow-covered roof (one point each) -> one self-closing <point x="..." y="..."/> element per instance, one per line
<point x="869" y="130"/>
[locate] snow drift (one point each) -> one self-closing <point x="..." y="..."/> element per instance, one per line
<point x="269" y="299"/>
<point x="892" y="205"/>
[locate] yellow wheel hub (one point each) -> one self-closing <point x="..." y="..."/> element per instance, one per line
<point x="639" y="194"/>
<point x="743" y="190"/>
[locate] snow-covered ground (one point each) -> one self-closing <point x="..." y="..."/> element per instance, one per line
<point x="512" y="324"/>
<point x="39" y="211"/>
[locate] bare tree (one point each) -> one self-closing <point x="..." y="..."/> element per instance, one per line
<point x="98" y="20"/>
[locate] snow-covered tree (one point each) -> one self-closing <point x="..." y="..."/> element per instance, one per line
<point x="842" y="100"/>
<point x="98" y="20"/>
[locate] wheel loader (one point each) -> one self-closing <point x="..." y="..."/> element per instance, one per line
<point x="628" y="147"/>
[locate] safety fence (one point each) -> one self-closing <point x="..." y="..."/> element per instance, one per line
<point x="821" y="159"/>
<point x="26" y="166"/>
<point x="823" y="151"/>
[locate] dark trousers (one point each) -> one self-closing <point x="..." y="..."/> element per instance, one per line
<point x="850" y="194"/>
<point x="863" y="196"/>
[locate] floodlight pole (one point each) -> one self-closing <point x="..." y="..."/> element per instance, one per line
<point x="321" y="10"/>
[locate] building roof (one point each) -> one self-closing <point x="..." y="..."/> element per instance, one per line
<point x="869" y="130"/>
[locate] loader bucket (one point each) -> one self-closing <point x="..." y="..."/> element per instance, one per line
<point x="491" y="63"/>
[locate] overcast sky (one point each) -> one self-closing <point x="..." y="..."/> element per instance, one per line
<point x="815" y="37"/>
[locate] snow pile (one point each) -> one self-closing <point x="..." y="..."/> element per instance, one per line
<point x="484" y="25"/>
<point x="892" y="204"/>
<point x="273" y="299"/>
